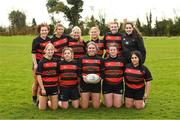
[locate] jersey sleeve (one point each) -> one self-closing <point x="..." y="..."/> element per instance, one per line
<point x="34" y="46"/>
<point x="147" y="74"/>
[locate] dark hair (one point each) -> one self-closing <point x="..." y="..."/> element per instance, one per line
<point x="136" y="33"/>
<point x="139" y="55"/>
<point x="42" y="25"/>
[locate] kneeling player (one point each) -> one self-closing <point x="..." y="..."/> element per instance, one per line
<point x="113" y="79"/>
<point x="68" y="83"/>
<point x="47" y="74"/>
<point x="137" y="82"/>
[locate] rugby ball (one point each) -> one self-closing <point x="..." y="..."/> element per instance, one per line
<point x="92" y="78"/>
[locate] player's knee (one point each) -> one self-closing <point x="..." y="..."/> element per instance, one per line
<point x="108" y="105"/>
<point x="139" y="107"/>
<point x="54" y="107"/>
<point x="118" y="106"/>
<point x="75" y="106"/>
<point x="84" y="106"/>
<point x="96" y="106"/>
<point x="42" y="108"/>
<point x="64" y="106"/>
<point x="128" y="105"/>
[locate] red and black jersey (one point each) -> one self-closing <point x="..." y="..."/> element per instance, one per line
<point x="100" y="44"/>
<point x="113" y="70"/>
<point x="48" y="69"/>
<point x="135" y="77"/>
<point x="110" y="38"/>
<point x="91" y="64"/>
<point x="78" y="47"/>
<point x="68" y="73"/>
<point x="59" y="44"/>
<point x="38" y="47"/>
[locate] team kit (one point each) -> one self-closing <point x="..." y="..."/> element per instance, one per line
<point x="67" y="70"/>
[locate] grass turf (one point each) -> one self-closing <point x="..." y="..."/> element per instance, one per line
<point x="163" y="60"/>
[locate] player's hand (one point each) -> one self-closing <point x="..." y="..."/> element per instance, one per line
<point x="43" y="91"/>
<point x="84" y="78"/>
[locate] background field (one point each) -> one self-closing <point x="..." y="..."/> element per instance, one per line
<point x="163" y="59"/>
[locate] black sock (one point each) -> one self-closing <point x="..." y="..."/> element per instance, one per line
<point x="34" y="97"/>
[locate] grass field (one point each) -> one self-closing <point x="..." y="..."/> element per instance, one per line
<point x="163" y="59"/>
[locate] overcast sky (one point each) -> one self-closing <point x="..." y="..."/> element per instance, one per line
<point x="112" y="9"/>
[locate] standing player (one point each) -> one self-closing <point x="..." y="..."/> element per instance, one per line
<point x="77" y="43"/>
<point x="113" y="37"/>
<point x="38" y="46"/>
<point x="59" y="40"/>
<point x="88" y="64"/>
<point x="137" y="82"/>
<point x="132" y="41"/>
<point x="113" y="78"/>
<point x="47" y="75"/>
<point x="68" y="82"/>
<point x="94" y="36"/>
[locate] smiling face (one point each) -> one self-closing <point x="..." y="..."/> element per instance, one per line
<point x="49" y="51"/>
<point x="113" y="51"/>
<point x="76" y="32"/>
<point x="114" y="28"/>
<point x="67" y="55"/>
<point x="134" y="60"/>
<point x="44" y="32"/>
<point x="59" y="30"/>
<point x="128" y="29"/>
<point x="91" y="50"/>
<point x="94" y="33"/>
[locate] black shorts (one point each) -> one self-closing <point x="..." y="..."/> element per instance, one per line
<point x="136" y="94"/>
<point x="50" y="91"/>
<point x="68" y="93"/>
<point x="112" y="88"/>
<point x="94" y="88"/>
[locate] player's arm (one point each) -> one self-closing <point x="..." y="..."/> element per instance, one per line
<point x="34" y="61"/>
<point x="43" y="92"/>
<point x="147" y="89"/>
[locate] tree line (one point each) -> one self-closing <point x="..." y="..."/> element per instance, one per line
<point x="72" y="13"/>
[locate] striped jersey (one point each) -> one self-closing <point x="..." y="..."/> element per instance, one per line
<point x="48" y="69"/>
<point x="38" y="46"/>
<point x="113" y="70"/>
<point x="59" y="44"/>
<point x="91" y="64"/>
<point x="78" y="47"/>
<point x="110" y="38"/>
<point x="68" y="73"/>
<point x="135" y="77"/>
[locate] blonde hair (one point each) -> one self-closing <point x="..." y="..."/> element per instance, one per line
<point x="70" y="49"/>
<point x="76" y="28"/>
<point x="56" y="27"/>
<point x="49" y="45"/>
<point x="93" y="43"/>
<point x="94" y="28"/>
